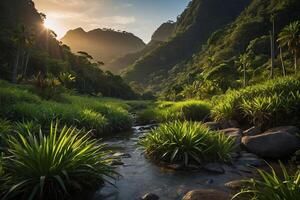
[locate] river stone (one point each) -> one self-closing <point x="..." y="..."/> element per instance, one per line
<point x="214" y="167"/>
<point x="236" y="133"/>
<point x="290" y="129"/>
<point x="252" y="131"/>
<point x="235" y="185"/>
<point x="214" y="126"/>
<point x="122" y="155"/>
<point x="275" y="143"/>
<point x="250" y="161"/>
<point x="224" y="124"/>
<point x="206" y="194"/>
<point x="150" y="196"/>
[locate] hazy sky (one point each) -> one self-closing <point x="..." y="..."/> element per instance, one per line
<point x="140" y="17"/>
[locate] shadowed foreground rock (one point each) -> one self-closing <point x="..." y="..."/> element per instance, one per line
<point x="203" y="194"/>
<point x="274" y="143"/>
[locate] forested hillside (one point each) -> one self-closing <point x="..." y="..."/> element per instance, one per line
<point x="103" y="44"/>
<point x="161" y="35"/>
<point x="30" y="53"/>
<point x="193" y="28"/>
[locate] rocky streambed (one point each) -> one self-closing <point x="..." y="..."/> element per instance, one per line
<point x="142" y="178"/>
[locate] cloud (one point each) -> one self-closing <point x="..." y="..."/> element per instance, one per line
<point x="117" y="20"/>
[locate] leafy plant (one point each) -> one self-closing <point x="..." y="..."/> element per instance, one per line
<point x="53" y="165"/>
<point x="187" y="142"/>
<point x="270" y="186"/>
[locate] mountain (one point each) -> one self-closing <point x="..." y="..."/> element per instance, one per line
<point x="103" y="44"/>
<point x="161" y="35"/>
<point x="193" y="28"/>
<point x="28" y="50"/>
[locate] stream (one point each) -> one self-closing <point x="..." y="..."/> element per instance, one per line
<point x="141" y="176"/>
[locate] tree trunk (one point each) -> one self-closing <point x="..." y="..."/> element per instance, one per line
<point x="26" y="64"/>
<point x="295" y="57"/>
<point x="282" y="62"/>
<point x="272" y="55"/>
<point x="245" y="76"/>
<point x="15" y="68"/>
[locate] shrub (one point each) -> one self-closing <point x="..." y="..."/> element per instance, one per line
<point x="50" y="166"/>
<point x="271" y="187"/>
<point x="268" y="104"/>
<point x="187" y="142"/>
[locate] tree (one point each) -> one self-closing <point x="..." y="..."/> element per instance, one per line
<point x="22" y="38"/>
<point x="290" y="37"/>
<point x="85" y="54"/>
<point x="244" y="63"/>
<point x="272" y="38"/>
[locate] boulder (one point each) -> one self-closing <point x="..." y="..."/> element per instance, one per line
<point x="290" y="129"/>
<point x="209" y="194"/>
<point x="228" y="124"/>
<point x="214" y="167"/>
<point x="236" y="133"/>
<point x="275" y="143"/>
<point x="214" y="126"/>
<point x="235" y="185"/>
<point x="150" y="196"/>
<point x="252" y="131"/>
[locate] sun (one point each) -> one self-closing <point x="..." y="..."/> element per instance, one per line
<point x="50" y="24"/>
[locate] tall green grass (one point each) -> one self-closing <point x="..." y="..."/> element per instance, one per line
<point x="104" y="115"/>
<point x="192" y="110"/>
<point x="271" y="103"/>
<point x="52" y="165"/>
<point x="187" y="142"/>
<point x="272" y="186"/>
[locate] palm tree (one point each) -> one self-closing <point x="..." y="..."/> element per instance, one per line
<point x="244" y="63"/>
<point x="290" y="37"/>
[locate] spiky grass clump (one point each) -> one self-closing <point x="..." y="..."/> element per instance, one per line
<point x="270" y="186"/>
<point x="269" y="104"/>
<point x="53" y="165"/>
<point x="187" y="142"/>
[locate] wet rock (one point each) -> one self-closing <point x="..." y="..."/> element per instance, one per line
<point x="250" y="161"/>
<point x="116" y="162"/>
<point x="150" y="196"/>
<point x="214" y="167"/>
<point x="272" y="144"/>
<point x="214" y="126"/>
<point x="209" y="181"/>
<point x="209" y="194"/>
<point x="252" y="131"/>
<point x="235" y="155"/>
<point x="236" y="133"/>
<point x="243" y="168"/>
<point x="290" y="129"/>
<point x="174" y="166"/>
<point x="224" y="124"/>
<point x="122" y="155"/>
<point x="235" y="185"/>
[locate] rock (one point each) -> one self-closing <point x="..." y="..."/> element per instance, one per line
<point x="214" y="167"/>
<point x="250" y="161"/>
<point x="235" y="185"/>
<point x="209" y="181"/>
<point x="228" y="124"/>
<point x="214" y="126"/>
<point x="243" y="168"/>
<point x="236" y="133"/>
<point x="272" y="144"/>
<point x="247" y="155"/>
<point x="174" y="166"/>
<point x="252" y="131"/>
<point x="209" y="194"/>
<point x="150" y="196"/>
<point x="116" y="162"/>
<point x="290" y="129"/>
<point x="122" y="155"/>
<point x="234" y="155"/>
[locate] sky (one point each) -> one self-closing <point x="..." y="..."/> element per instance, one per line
<point x="140" y="17"/>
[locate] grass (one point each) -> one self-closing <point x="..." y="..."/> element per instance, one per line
<point x="192" y="110"/>
<point x="186" y="143"/>
<point x="53" y="165"/>
<point x="103" y="115"/>
<point x="271" y="186"/>
<point x="268" y="104"/>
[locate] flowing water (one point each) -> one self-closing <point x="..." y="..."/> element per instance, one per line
<point x="140" y="176"/>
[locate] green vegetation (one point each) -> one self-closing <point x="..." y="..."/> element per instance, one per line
<point x="272" y="186"/>
<point x="40" y="165"/>
<point x="186" y="143"/>
<point x="104" y="115"/>
<point x="268" y="104"/>
<point x="164" y="111"/>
